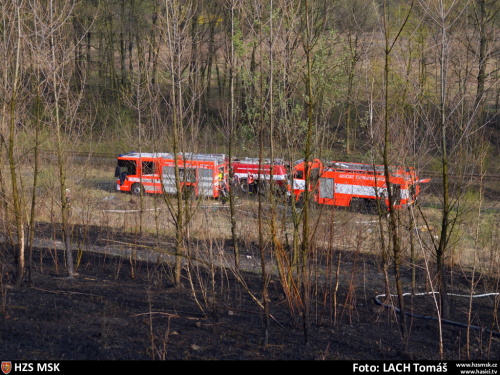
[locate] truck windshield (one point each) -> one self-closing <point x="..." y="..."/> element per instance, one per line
<point x="128" y="166"/>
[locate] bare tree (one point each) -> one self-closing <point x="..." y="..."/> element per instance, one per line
<point x="12" y="51"/>
<point x="56" y="48"/>
<point x="485" y="20"/>
<point x="393" y="219"/>
<point x="231" y="116"/>
<point x="313" y="19"/>
<point x="355" y="19"/>
<point x="443" y="17"/>
<point x="180" y="103"/>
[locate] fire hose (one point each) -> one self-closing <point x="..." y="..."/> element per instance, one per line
<point x="444" y="321"/>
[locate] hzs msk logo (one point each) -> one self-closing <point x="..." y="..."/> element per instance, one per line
<point x="6" y="367"/>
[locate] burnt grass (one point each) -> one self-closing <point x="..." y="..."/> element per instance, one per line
<point x="119" y="308"/>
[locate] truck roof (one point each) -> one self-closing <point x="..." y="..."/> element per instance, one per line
<point x="276" y="161"/>
<point x="137" y="155"/>
<point x="219" y="158"/>
<point x="360" y="167"/>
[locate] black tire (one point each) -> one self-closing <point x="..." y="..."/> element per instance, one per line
<point x="263" y="187"/>
<point x="244" y="187"/>
<point x="371" y="206"/>
<point x="137" y="189"/>
<point x="357" y="205"/>
<point x="187" y="192"/>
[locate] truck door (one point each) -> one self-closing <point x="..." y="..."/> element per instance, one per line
<point x="205" y="182"/>
<point x="168" y="180"/>
<point x="326" y="188"/>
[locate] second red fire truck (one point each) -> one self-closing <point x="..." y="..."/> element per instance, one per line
<point x="254" y="175"/>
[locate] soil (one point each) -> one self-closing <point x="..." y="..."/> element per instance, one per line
<point x="127" y="308"/>
<point x="108" y="312"/>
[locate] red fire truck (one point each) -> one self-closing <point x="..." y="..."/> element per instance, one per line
<point x="252" y="178"/>
<point x="346" y="184"/>
<point x="202" y="174"/>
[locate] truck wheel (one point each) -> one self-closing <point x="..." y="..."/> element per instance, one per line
<point x="137" y="189"/>
<point x="357" y="205"/>
<point x="187" y="192"/>
<point x="244" y="186"/>
<point x="263" y="187"/>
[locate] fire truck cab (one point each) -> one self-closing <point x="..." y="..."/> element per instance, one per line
<point x="344" y="184"/>
<point x="202" y="174"/>
<point x="315" y="170"/>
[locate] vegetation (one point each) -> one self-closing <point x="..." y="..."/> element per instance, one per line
<point x="412" y="83"/>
